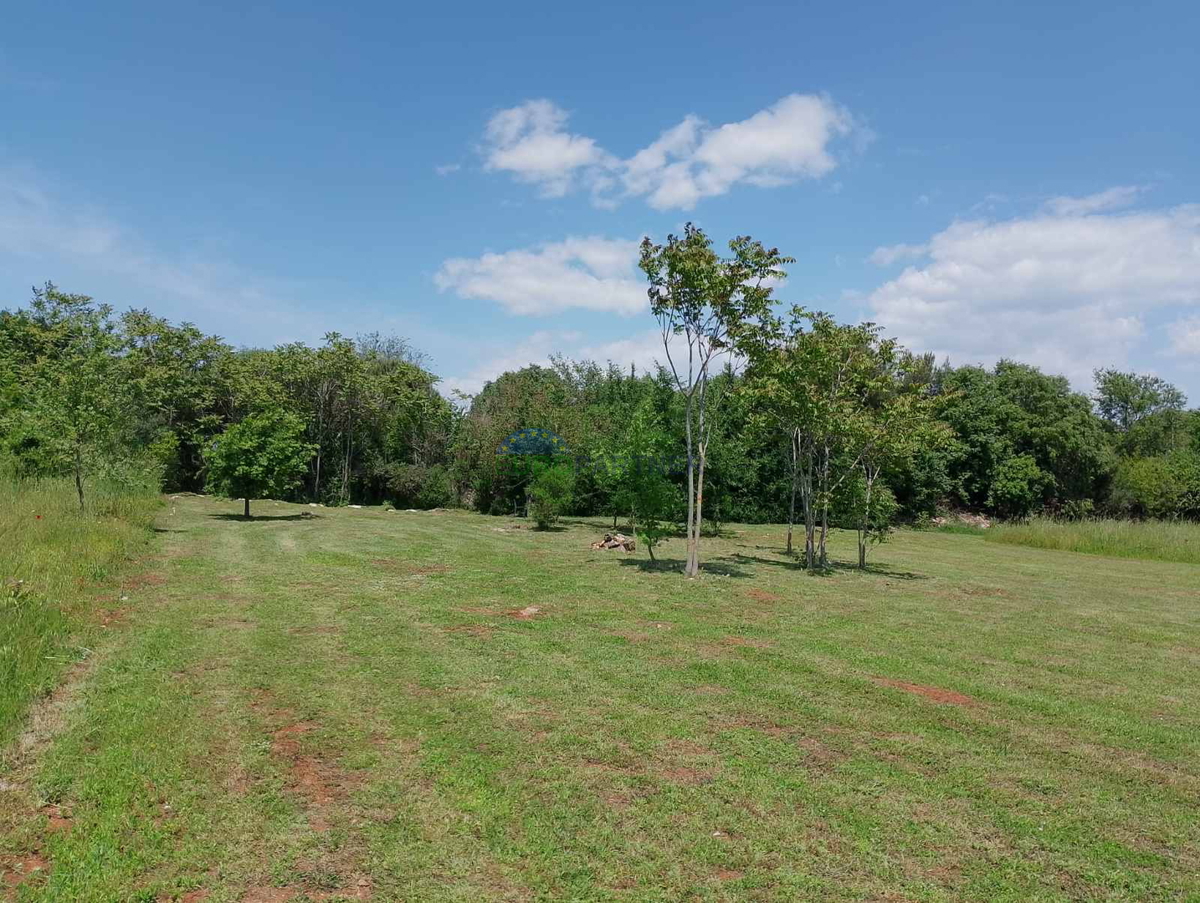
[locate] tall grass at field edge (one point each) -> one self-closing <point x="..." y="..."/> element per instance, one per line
<point x="1177" y="541"/>
<point x="53" y="560"/>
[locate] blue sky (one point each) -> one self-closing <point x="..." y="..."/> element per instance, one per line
<point x="984" y="180"/>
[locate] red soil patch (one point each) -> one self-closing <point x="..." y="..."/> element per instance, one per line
<point x="195" y="896"/>
<point x="525" y="614"/>
<point x="319" y="782"/>
<point x="761" y="595"/>
<point x="111" y="616"/>
<point x="934" y="694"/>
<point x="57" y="819"/>
<point x="18" y="871"/>
<point x="729" y="874"/>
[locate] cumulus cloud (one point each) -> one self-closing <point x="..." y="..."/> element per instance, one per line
<point x="786" y="142"/>
<point x="1068" y="291"/>
<point x="531" y="142"/>
<point x="590" y="273"/>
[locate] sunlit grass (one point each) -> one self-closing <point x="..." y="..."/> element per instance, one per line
<point x="51" y="558"/>
<point x="1156" y="540"/>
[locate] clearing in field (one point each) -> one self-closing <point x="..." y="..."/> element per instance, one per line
<point x="325" y="704"/>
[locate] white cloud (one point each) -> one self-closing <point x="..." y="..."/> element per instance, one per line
<point x="1066" y="291"/>
<point x="779" y="145"/>
<point x="447" y="169"/>
<point x="530" y="142"/>
<point x="1109" y="199"/>
<point x="1184" y="334"/>
<point x="590" y="273"/>
<point x="889" y="254"/>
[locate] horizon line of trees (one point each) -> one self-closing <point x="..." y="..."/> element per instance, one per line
<point x="822" y="424"/>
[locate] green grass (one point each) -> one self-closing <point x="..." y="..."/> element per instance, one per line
<point x="312" y="707"/>
<point x="1156" y="540"/>
<point x="51" y="560"/>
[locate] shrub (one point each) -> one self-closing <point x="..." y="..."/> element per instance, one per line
<point x="550" y="493"/>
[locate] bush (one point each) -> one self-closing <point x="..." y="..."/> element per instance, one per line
<point x="1018" y="487"/>
<point x="414" y="486"/>
<point x="550" y="493"/>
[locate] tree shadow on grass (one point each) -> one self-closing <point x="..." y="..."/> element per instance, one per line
<point x="877" y="570"/>
<point x="716" y="568"/>
<point x="264" y="518"/>
<point x="831" y="568"/>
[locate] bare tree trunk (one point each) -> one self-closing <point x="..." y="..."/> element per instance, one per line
<point x="865" y="526"/>
<point x="694" y="564"/>
<point x="79" y="475"/>
<point x="246" y="510"/>
<point x="823" y="490"/>
<point x="794" y="439"/>
<point x="691" y="536"/>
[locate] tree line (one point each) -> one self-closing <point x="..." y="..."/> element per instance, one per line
<point x="759" y="412"/>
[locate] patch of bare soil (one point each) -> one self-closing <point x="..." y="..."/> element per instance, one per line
<point x="729" y="875"/>
<point x="526" y="613"/>
<point x="57" y="818"/>
<point x="934" y="694"/>
<point x="320" y="783"/>
<point x="19" y="870"/>
<point x="761" y="595"/>
<point x="110" y="617"/>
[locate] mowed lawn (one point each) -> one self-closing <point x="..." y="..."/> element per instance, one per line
<point x="351" y="703"/>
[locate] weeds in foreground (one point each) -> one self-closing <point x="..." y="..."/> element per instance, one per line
<point x="50" y="558"/>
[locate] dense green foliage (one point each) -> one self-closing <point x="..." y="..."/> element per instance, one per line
<point x="262" y="456"/>
<point x="134" y="400"/>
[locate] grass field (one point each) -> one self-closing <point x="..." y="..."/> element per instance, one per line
<point x="443" y="706"/>
<point x="1155" y="540"/>
<point x="52" y="565"/>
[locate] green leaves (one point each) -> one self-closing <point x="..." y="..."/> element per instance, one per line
<point x="263" y="456"/>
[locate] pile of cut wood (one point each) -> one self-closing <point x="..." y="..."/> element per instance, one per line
<point x="615" y="541"/>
